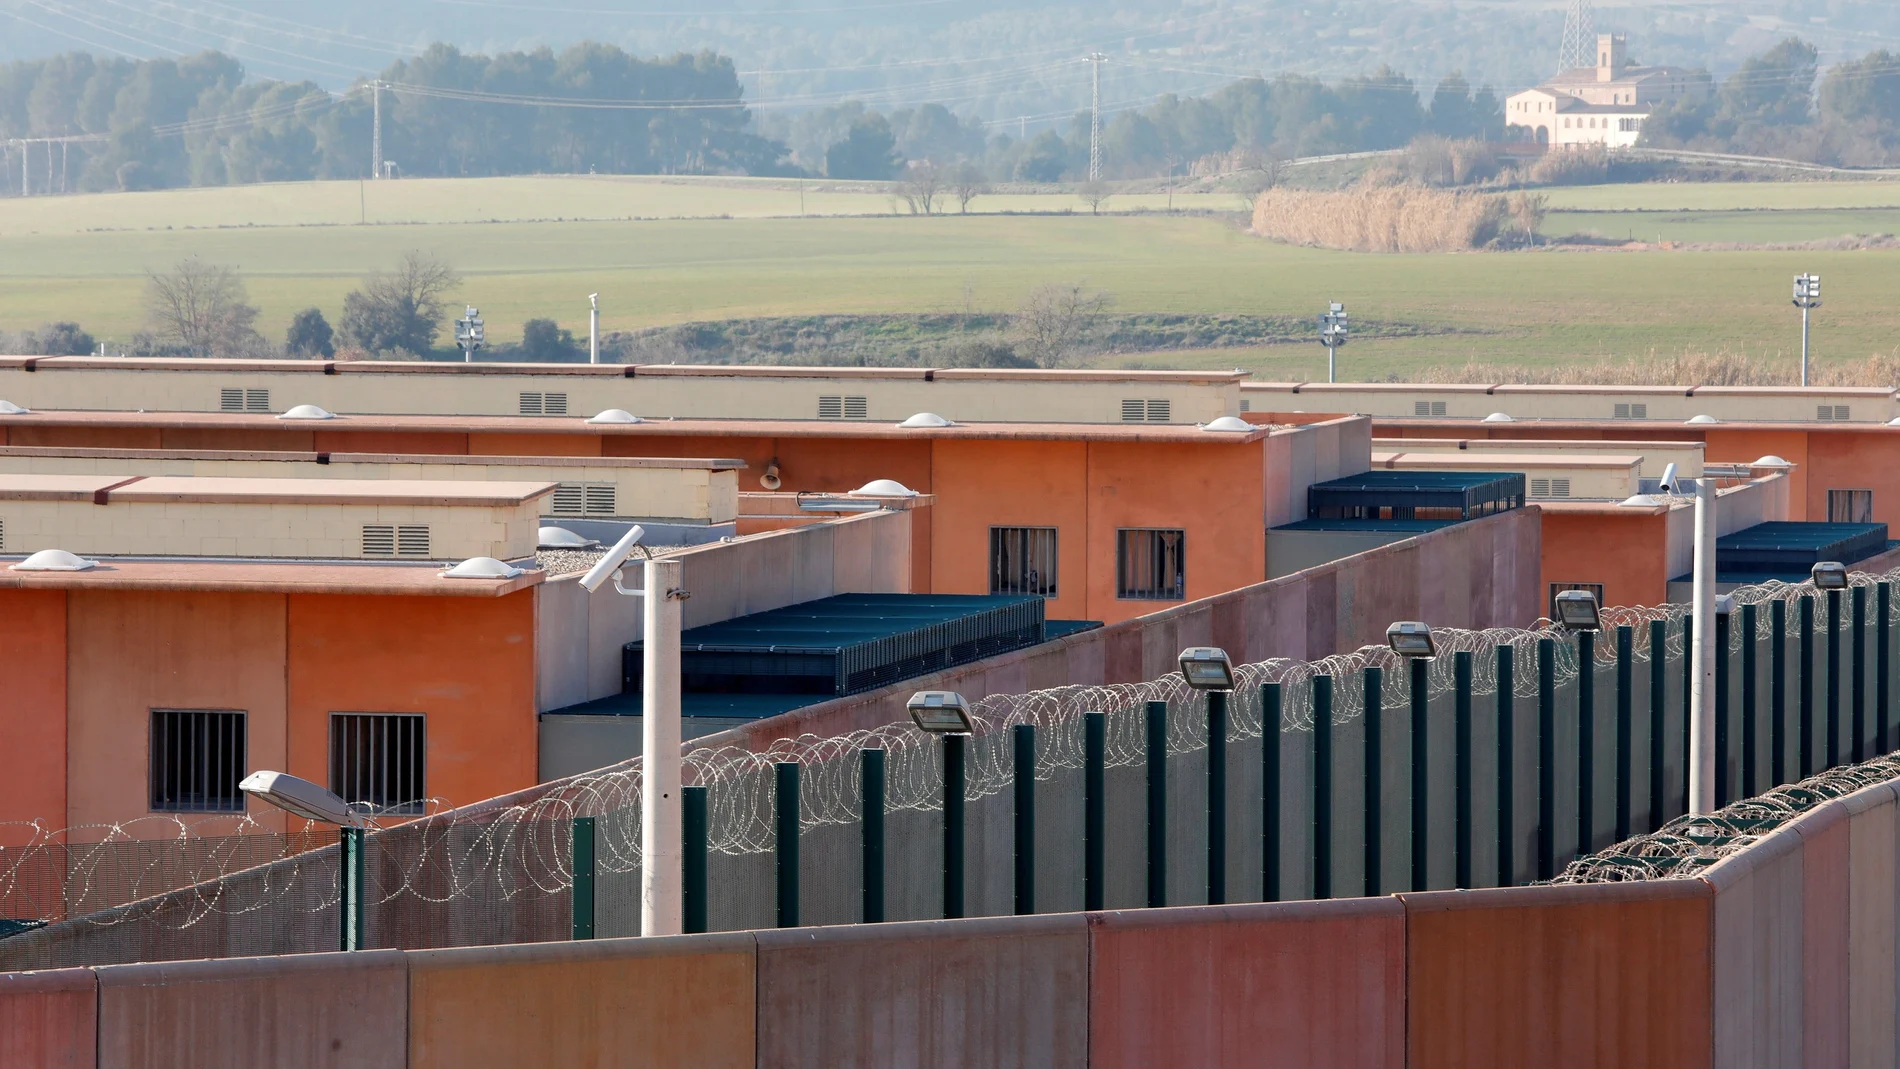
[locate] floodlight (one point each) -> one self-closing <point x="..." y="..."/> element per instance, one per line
<point x="941" y="712"/>
<point x="1411" y="639"/>
<point x="1577" y="610"/>
<point x="301" y="797"/>
<point x="1830" y="575"/>
<point x="610" y="564"/>
<point x="1207" y="668"/>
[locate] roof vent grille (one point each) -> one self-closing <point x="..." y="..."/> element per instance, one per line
<point x="601" y="499"/>
<point x="535" y="403"/>
<point x="379" y="540"/>
<point x="412" y="540"/>
<point x="857" y="407"/>
<point x="1630" y="411"/>
<point x="1428" y="408"/>
<point x="240" y="399"/>
<point x="1831" y="412"/>
<point x="831" y="408"/>
<point x="395" y="540"/>
<point x="1134" y="410"/>
<point x="1246" y="406"/>
<point x="585" y="499"/>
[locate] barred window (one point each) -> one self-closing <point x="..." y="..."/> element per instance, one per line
<point x="1850" y="506"/>
<point x="198" y="757"/>
<point x="378" y="760"/>
<point x="1151" y="565"/>
<point x="1023" y="560"/>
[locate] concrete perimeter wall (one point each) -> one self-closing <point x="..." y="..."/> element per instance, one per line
<point x="1485" y="573"/>
<point x="1782" y="955"/>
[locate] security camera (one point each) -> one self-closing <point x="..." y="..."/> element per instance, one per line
<point x="1670" y="484"/>
<point x="615" y="557"/>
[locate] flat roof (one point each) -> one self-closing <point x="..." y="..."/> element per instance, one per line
<point x="1409" y="480"/>
<point x="841" y="620"/>
<point x="59" y="487"/>
<point x="1522" y="388"/>
<point x="1405" y="460"/>
<point x="1798" y="536"/>
<point x="1406" y="445"/>
<point x="1643" y="426"/>
<point x="292" y="456"/>
<point x="210" y="489"/>
<point x="616" y="371"/>
<point x="660" y="428"/>
<point x="275" y="576"/>
<point x="1370" y="526"/>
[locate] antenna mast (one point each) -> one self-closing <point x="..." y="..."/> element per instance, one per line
<point x="1580" y="47"/>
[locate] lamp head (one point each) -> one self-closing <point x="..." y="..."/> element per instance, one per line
<point x="1577" y="610"/>
<point x="1411" y="639"/>
<point x="1830" y="575"/>
<point x="301" y="797"/>
<point x="1207" y="668"/>
<point x="941" y="712"/>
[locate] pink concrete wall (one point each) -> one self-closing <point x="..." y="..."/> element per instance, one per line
<point x="48" y="1020"/>
<point x="1485" y="573"/>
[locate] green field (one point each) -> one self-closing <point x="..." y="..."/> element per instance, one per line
<point x="1726" y="196"/>
<point x="1541" y="307"/>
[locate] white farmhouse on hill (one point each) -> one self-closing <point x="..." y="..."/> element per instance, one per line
<point x="1602" y="105"/>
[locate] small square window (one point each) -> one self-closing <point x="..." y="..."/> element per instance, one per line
<point x="1850" y="506"/>
<point x="198" y="758"/>
<point x="1023" y="561"/>
<point x="1151" y="565"/>
<point x="378" y="760"/>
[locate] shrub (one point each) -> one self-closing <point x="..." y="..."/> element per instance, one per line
<point x="310" y="335"/>
<point x="543" y="339"/>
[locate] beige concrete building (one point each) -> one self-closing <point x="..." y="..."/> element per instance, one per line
<point x="1605" y="105"/>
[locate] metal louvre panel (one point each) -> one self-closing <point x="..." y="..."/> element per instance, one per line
<point x="412" y="541"/>
<point x="1134" y="411"/>
<point x="530" y="404"/>
<point x="1540" y="487"/>
<point x="570" y="499"/>
<point x="379" y="540"/>
<point x="1160" y="411"/>
<point x="257" y="400"/>
<point x="554" y="404"/>
<point x="3" y="534"/>
<point x="856" y="407"/>
<point x="831" y="408"/>
<point x="601" y="499"/>
<point x="231" y="399"/>
<point x="1560" y="487"/>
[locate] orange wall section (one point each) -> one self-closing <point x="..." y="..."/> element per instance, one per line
<point x="1628" y="554"/>
<point x="1011" y="484"/>
<point x="534" y="445"/>
<point x="33" y="708"/>
<point x="465" y="663"/>
<point x="130" y="652"/>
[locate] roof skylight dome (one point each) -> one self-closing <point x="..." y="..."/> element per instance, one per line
<point x="562" y="538"/>
<point x="55" y="560"/>
<point x="614" y="415"/>
<point x="1499" y="417"/>
<point x="926" y="420"/>
<point x="1228" y="425"/>
<point x="8" y="408"/>
<point x="307" y="412"/>
<point x="1771" y="461"/>
<point x="885" y="488"/>
<point x="481" y="568"/>
<point x="1703" y="418"/>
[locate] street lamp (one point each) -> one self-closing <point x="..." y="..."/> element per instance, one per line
<point x="1807" y="296"/>
<point x="303" y="798"/>
<point x="470" y="333"/>
<point x="593" y="328"/>
<point x="1207" y="668"/>
<point x="1577" y="610"/>
<point x="1332" y="334"/>
<point x="1830" y="575"/>
<point x="1411" y="639"/>
<point x="946" y="714"/>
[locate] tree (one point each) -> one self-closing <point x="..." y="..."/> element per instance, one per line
<point x="1054" y="320"/>
<point x="543" y="339"/>
<point x="923" y="183"/>
<point x="1865" y="89"/>
<point x="1094" y="194"/>
<point x="866" y="153"/>
<point x="966" y="184"/>
<point x="1044" y="158"/>
<point x="1775" y="88"/>
<point x="400" y="310"/>
<point x="310" y="335"/>
<point x="202" y="309"/>
<point x="63" y="339"/>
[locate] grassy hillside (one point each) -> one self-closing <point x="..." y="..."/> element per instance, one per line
<point x="1534" y="308"/>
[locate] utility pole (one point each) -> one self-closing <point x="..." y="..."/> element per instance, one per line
<point x="1333" y="333"/>
<point x="1807" y="297"/>
<point x="660" y="848"/>
<point x="1096" y="59"/>
<point x="1702" y="755"/>
<point x="593" y="323"/>
<point x="376" y="129"/>
<point x="1022" y="127"/>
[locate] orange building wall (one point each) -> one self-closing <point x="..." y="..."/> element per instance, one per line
<point x="87" y="437"/>
<point x="984" y="484"/>
<point x="467" y="663"/>
<point x="534" y="445"/>
<point x="439" y="443"/>
<point x="1628" y="554"/>
<point x="33" y="707"/>
<point x="131" y="651"/>
<point x="1748" y="446"/>
<point x="826" y="465"/>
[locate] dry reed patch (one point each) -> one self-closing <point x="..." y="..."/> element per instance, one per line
<point x="1402" y="218"/>
<point x="1722" y="368"/>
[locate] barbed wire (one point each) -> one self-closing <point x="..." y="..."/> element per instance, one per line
<point x="520" y="845"/>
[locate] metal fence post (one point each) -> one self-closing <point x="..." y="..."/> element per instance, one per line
<point x="695" y="830"/>
<point x="1270" y="792"/>
<point x="1421" y="799"/>
<point x="1883" y="663"/>
<point x="1751" y="707"/>
<point x="1461" y="768"/>
<point x="871" y="826"/>
<point x="581" y="848"/>
<point x="1625" y="726"/>
<point x="1157" y="803"/>
<point x="1216" y="797"/>
<point x="953" y="825"/>
<point x="1858" y="693"/>
<point x="350" y="903"/>
<point x="1658" y="719"/>
<point x="1586" y="739"/>
<point x="1507" y="759"/>
<point x="1688" y="715"/>
<point x="1322" y="786"/>
<point x="1833" y="678"/>
<point x="1777" y="692"/>
<point x="1094" y="808"/>
<point x="785" y="807"/>
<point x="1023" y="736"/>
<point x="1723" y="796"/>
<point x="1805" y="682"/>
<point x="1546" y="758"/>
<point x="1373" y="721"/>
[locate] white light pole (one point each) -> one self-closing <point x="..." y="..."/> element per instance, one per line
<point x="593" y="328"/>
<point x="470" y="333"/>
<point x="1332" y="334"/>
<point x="1702" y="679"/>
<point x="1807" y="297"/>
